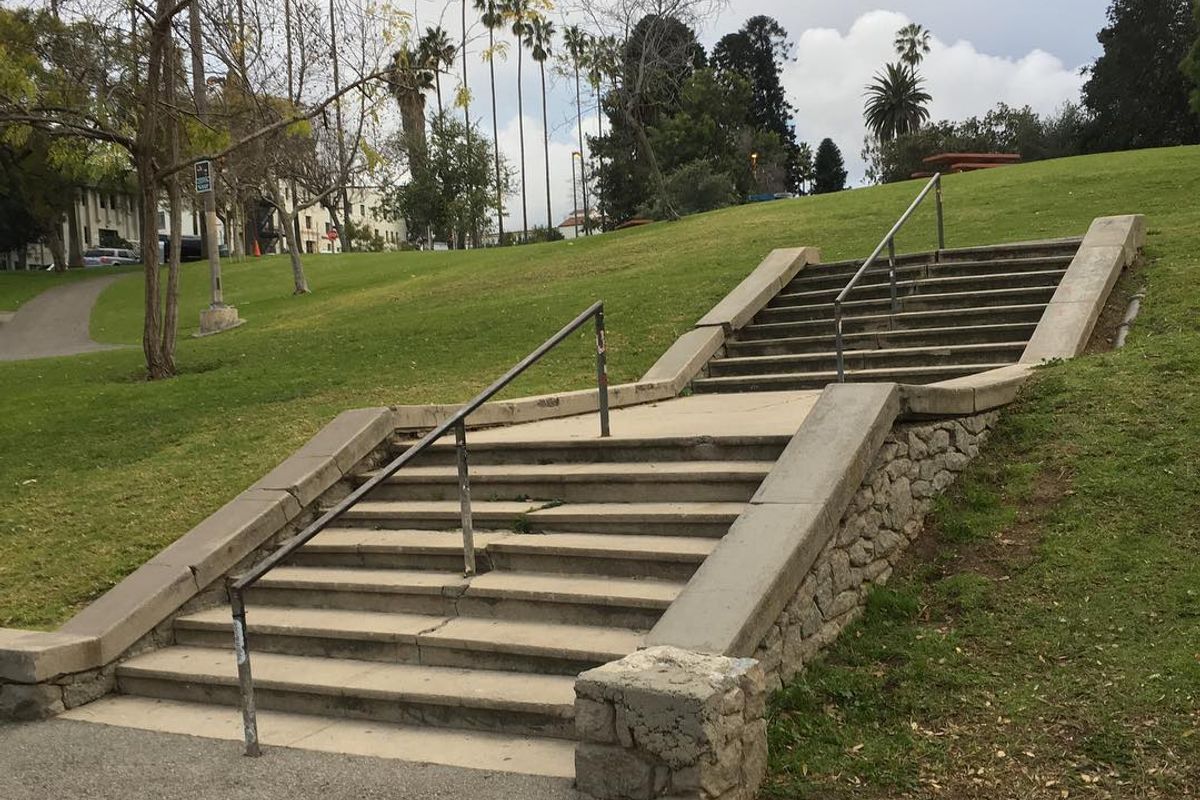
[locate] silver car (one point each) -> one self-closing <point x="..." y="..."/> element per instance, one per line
<point x="108" y="256"/>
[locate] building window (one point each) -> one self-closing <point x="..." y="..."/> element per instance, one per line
<point x="362" y="210"/>
<point x="103" y="201"/>
<point x="162" y="219"/>
<point x="308" y="224"/>
<point x="87" y="234"/>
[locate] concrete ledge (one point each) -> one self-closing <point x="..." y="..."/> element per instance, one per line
<point x="684" y="359"/>
<point x="1110" y="245"/>
<point x="759" y="287"/>
<point x="736" y="595"/>
<point x="33" y="656"/>
<point x="972" y="394"/>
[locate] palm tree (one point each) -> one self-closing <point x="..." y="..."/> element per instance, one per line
<point x="912" y="44"/>
<point x="896" y="101"/>
<point x="518" y="13"/>
<point x="602" y="60"/>
<point x="539" y="34"/>
<point x="492" y="17"/>
<point x="437" y="51"/>
<point x="409" y="80"/>
<point x="578" y="43"/>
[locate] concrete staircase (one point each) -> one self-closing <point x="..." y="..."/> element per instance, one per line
<point x="582" y="544"/>
<point x="960" y="312"/>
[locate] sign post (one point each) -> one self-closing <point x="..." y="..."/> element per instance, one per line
<point x="203" y="177"/>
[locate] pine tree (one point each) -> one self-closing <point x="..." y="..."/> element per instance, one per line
<point x="829" y="169"/>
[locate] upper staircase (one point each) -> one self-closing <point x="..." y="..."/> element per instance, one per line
<point x="958" y="312"/>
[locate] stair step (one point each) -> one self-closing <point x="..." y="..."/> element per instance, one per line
<point x="883" y="340"/>
<point x="390" y="549"/>
<point x="415" y="639"/>
<point x="478" y="750"/>
<point x="734" y="481"/>
<point x="818" y="380"/>
<point x="615" y="555"/>
<point x="919" y="302"/>
<point x="520" y="703"/>
<point x="352" y="589"/>
<point x="875" y="286"/>
<point x="1042" y="248"/>
<point x="683" y="519"/>
<point x="572" y="599"/>
<point x="886" y="322"/>
<point x="614" y="450"/>
<point x="808" y="279"/>
<point x="857" y="360"/>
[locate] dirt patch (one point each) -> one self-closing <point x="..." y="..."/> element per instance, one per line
<point x="1132" y="281"/>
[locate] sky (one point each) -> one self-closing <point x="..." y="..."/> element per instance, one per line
<point x="1018" y="52"/>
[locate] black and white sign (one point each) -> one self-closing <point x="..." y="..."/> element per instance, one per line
<point x="203" y="176"/>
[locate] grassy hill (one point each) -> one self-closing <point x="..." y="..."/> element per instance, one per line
<point x="102" y="469"/>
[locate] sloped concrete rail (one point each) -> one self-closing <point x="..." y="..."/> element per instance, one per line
<point x="836" y="509"/>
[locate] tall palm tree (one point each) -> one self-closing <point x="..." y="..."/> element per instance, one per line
<point x="409" y="80"/>
<point x="578" y="43"/>
<point x="912" y="44"/>
<point x="518" y="14"/>
<point x="896" y="101"/>
<point x="602" y="61"/>
<point x="539" y="36"/>
<point x="492" y="16"/>
<point x="436" y="52"/>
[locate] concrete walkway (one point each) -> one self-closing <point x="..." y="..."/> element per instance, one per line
<point x="68" y="760"/>
<point x="55" y="323"/>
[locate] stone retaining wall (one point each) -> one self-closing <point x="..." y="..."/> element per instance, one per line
<point x="916" y="463"/>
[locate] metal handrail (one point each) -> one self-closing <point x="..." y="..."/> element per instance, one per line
<point x="889" y="241"/>
<point x="239" y="585"/>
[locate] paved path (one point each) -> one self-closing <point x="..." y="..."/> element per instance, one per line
<point x="68" y="760"/>
<point x="55" y="323"/>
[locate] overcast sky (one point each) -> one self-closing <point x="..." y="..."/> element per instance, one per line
<point x="1019" y="52"/>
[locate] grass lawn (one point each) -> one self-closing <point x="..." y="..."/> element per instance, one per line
<point x="102" y="469"/>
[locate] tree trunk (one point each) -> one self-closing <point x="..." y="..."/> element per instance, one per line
<point x="299" y="281"/>
<point x="496" y="137"/>
<point x="587" y="219"/>
<point x="660" y="182"/>
<point x="546" y="146"/>
<point x="521" y="131"/>
<point x="75" y="237"/>
<point x="58" y="251"/>
<point x="156" y="365"/>
<point x="175" y="209"/>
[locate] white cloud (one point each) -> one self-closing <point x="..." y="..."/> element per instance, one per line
<point x="831" y="69"/>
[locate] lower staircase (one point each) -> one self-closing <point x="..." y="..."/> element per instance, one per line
<point x="581" y="545"/>
<point x="959" y="312"/>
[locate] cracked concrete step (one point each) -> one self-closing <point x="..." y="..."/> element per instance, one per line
<point x="733" y="481"/>
<point x="415" y="639"/>
<point x="615" y="555"/>
<point x="492" y="752"/>
<point x="392" y="549"/>
<point x="917" y="302"/>
<point x="614" y="450"/>
<point x="446" y="697"/>
<point x="572" y="599"/>
<point x="350" y="588"/>
<point x="818" y="380"/>
<point x="808" y="280"/>
<point x="857" y="360"/>
<point x="883" y="340"/>
<point x="875" y="287"/>
<point x="884" y="322"/>
<point x="666" y="519"/>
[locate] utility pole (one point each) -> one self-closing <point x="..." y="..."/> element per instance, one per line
<point x="218" y="316"/>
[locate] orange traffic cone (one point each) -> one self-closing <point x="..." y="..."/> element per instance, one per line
<point x="257" y="249"/>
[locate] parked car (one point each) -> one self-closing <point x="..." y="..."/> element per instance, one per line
<point x="109" y="256"/>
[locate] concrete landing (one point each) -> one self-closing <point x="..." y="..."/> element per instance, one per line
<point x="553" y="758"/>
<point x="758" y="414"/>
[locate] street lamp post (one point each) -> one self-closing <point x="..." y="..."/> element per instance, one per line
<point x="574" y="198"/>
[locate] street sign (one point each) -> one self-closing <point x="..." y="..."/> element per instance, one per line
<point x="203" y="177"/>
<point x="332" y="234"/>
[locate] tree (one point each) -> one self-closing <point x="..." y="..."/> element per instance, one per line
<point x="518" y="13"/>
<point x="409" y="79"/>
<point x="804" y="161"/>
<point x="912" y="44"/>
<point x="578" y="44"/>
<point x="1136" y="92"/>
<point x="492" y="16"/>
<point x="539" y="35"/>
<point x="436" y="52"/>
<point x="896" y="101"/>
<point x="758" y="52"/>
<point x="829" y="170"/>
<point x="1191" y="65"/>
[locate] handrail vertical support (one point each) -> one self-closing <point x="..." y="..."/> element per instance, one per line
<point x="941" y="220"/>
<point x="241" y="650"/>
<point x="464" y="498"/>
<point x="602" y="373"/>
<point x="837" y="333"/>
<point x="892" y="273"/>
